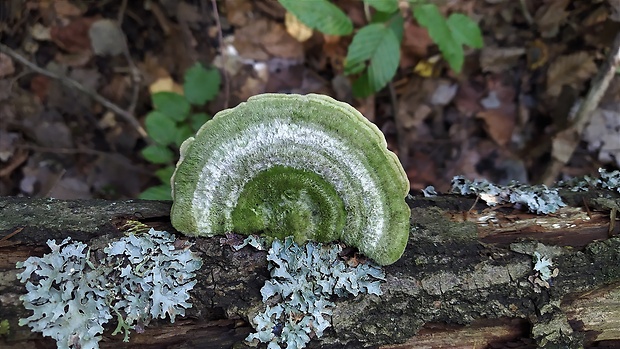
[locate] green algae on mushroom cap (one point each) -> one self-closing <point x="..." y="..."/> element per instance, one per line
<point x="305" y="166"/>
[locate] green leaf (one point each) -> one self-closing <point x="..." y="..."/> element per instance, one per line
<point x="465" y="30"/>
<point x="357" y="67"/>
<point x="160" y="192"/>
<point x="158" y="154"/>
<point x="160" y="127"/>
<point x="428" y="16"/>
<point x="387" y="6"/>
<point x="201" y="85"/>
<point x="321" y="15"/>
<point x="397" y="23"/>
<point x="165" y="173"/>
<point x="172" y="104"/>
<point x="183" y="133"/>
<point x="361" y="87"/>
<point x="378" y="44"/>
<point x="198" y="119"/>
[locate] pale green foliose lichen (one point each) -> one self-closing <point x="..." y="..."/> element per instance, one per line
<point x="609" y="180"/>
<point x="538" y="198"/>
<point x="281" y="165"/>
<point x="303" y="280"/>
<point x="72" y="295"/>
<point x="543" y="266"/>
<point x="606" y="180"/>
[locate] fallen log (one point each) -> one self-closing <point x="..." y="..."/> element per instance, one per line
<point x="466" y="280"/>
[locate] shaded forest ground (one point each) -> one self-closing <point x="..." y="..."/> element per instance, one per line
<point x="496" y="119"/>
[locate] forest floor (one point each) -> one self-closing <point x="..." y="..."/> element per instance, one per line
<point x="496" y="119"/>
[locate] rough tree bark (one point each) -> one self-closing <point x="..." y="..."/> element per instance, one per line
<point x="466" y="279"/>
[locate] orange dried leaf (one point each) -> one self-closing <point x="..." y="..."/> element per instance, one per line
<point x="499" y="125"/>
<point x="74" y="36"/>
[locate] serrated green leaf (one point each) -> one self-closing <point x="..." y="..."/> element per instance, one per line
<point x="172" y="104"/>
<point x="428" y="16"/>
<point x="160" y="127"/>
<point x="361" y="87"/>
<point x="198" y="119"/>
<point x="387" y="6"/>
<point x="351" y="69"/>
<point x="321" y="15"/>
<point x="396" y="23"/>
<point x="465" y="30"/>
<point x="158" y="154"/>
<point x="183" y="133"/>
<point x="379" y="45"/>
<point x="165" y="173"/>
<point x="200" y="84"/>
<point x="160" y="192"/>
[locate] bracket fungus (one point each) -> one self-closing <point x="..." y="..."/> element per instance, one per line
<point x="305" y="166"/>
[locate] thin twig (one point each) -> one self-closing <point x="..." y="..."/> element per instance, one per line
<point x="526" y="12"/>
<point x="135" y="76"/>
<point x="121" y="12"/>
<point x="220" y="38"/>
<point x="133" y="70"/>
<point x="17" y="231"/>
<point x="566" y="141"/>
<point x="74" y="84"/>
<point x="161" y="18"/>
<point x="16" y="160"/>
<point x="62" y="150"/>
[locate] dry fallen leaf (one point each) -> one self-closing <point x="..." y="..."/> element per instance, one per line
<point x="415" y="44"/>
<point x="603" y="134"/>
<point x="246" y="40"/>
<point x="238" y="11"/>
<point x="8" y="144"/>
<point x="73" y="37"/>
<point x="571" y="70"/>
<point x="498" y="124"/>
<point x="550" y="16"/>
<point x="66" y="9"/>
<point x="426" y="68"/>
<point x="498" y="59"/>
<point x="117" y="90"/>
<point x="279" y="43"/>
<point x="468" y="96"/>
<point x="444" y="93"/>
<point x="296" y="28"/>
<point x="615" y="10"/>
<point x="39" y="85"/>
<point x="106" y="38"/>
<point x="6" y="65"/>
<point x="335" y="52"/>
<point x="165" y="85"/>
<point x="40" y="32"/>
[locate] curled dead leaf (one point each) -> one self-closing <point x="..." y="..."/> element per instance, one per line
<point x="573" y="70"/>
<point x="537" y="54"/>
